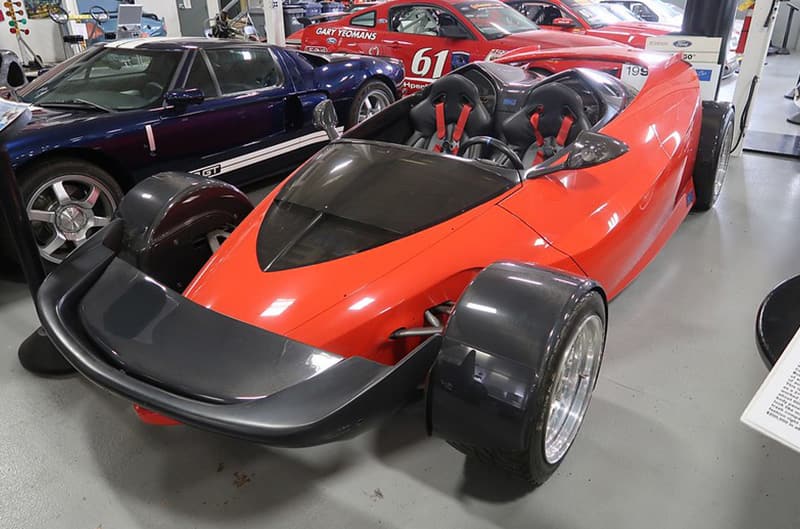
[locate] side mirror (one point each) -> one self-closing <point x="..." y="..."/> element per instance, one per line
<point x="449" y="28"/>
<point x="184" y="97"/>
<point x="588" y="150"/>
<point x="563" y="22"/>
<point x="325" y="118"/>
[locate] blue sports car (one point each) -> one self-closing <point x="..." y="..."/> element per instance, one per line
<point x="124" y="110"/>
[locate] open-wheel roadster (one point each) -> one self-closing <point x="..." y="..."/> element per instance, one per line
<point x="466" y="240"/>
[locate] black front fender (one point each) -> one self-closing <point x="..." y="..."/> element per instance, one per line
<point x="495" y="350"/>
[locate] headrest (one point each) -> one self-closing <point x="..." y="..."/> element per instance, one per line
<point x="455" y="91"/>
<point x="553" y="101"/>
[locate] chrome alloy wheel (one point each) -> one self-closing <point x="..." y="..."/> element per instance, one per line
<point x="723" y="162"/>
<point x="374" y="102"/>
<point x="572" y="387"/>
<point x="65" y="211"/>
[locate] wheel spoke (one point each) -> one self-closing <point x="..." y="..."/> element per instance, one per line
<point x="37" y="215"/>
<point x="99" y="222"/>
<point x="54" y="244"/>
<point x="91" y="199"/>
<point x="368" y="104"/>
<point x="61" y="193"/>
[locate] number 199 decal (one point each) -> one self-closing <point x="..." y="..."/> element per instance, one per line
<point x="421" y="63"/>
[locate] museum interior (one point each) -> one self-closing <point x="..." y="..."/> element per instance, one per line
<point x="399" y="264"/>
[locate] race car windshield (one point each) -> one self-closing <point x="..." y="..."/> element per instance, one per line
<point x="596" y="15"/>
<point x="622" y="13"/>
<point x="664" y="10"/>
<point x="495" y="20"/>
<point x="109" y="80"/>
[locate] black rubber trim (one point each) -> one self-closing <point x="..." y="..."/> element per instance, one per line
<point x="335" y="404"/>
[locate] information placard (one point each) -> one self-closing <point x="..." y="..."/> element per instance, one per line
<point x="775" y="408"/>
<point x="701" y="52"/>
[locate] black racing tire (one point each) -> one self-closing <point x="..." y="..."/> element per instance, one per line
<point x="372" y="92"/>
<point x="713" y="153"/>
<point x="79" y="178"/>
<point x="530" y="463"/>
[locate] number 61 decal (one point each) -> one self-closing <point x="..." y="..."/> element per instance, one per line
<point x="421" y="63"/>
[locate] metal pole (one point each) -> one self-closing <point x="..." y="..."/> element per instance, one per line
<point x="17" y="221"/>
<point x="784" y="49"/>
<point x="36" y="353"/>
<point x="755" y="55"/>
<point x="710" y="18"/>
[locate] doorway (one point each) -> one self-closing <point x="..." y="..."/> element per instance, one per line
<point x="192" y="15"/>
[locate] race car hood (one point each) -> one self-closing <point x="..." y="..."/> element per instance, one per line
<point x="547" y="40"/>
<point x="646" y="29"/>
<point x="305" y="248"/>
<point x="633" y="33"/>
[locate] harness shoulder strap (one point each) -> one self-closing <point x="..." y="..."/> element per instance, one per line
<point x="563" y="132"/>
<point x="458" y="132"/>
<point x="539" y="138"/>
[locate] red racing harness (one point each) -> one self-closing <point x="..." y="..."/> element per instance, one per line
<point x="450" y="147"/>
<point x="561" y="139"/>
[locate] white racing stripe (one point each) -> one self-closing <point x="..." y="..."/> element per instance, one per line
<point x="273" y="151"/>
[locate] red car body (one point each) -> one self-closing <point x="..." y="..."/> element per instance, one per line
<point x="426" y="57"/>
<point x="388" y="261"/>
<point x="606" y="223"/>
<point x="576" y="18"/>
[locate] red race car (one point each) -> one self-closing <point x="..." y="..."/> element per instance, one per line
<point x="465" y="240"/>
<point x="434" y="37"/>
<point x="607" y="20"/>
<point x="590" y="18"/>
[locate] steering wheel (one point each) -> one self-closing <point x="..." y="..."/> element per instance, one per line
<point x="495" y="143"/>
<point x="58" y="14"/>
<point x="99" y="14"/>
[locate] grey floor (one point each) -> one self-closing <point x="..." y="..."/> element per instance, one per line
<point x="771" y="109"/>
<point x="662" y="445"/>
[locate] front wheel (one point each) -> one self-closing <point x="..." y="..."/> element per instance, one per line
<point x="519" y="360"/>
<point x="371" y="98"/>
<point x="568" y="383"/>
<point x="67" y="201"/>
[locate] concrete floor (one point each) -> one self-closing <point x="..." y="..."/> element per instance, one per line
<point x="662" y="445"/>
<point x="771" y="109"/>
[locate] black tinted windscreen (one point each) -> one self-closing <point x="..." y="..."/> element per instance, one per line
<point x="355" y="196"/>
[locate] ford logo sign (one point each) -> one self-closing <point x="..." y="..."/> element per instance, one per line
<point x="331" y="40"/>
<point x="682" y="43"/>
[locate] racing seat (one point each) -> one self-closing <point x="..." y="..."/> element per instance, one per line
<point x="452" y="113"/>
<point x="550" y="119"/>
<point x="546" y="15"/>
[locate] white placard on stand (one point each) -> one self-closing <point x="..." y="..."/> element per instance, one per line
<point x="701" y="52"/>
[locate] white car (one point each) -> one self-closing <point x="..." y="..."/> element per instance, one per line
<point x="653" y="11"/>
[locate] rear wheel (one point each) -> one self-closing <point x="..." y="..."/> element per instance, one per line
<point x="371" y="98"/>
<point x="67" y="201"/>
<point x="714" y="153"/>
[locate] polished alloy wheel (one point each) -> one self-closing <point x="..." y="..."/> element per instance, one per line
<point x="723" y="162"/>
<point x="65" y="211"/>
<point x="374" y="102"/>
<point x="216" y="238"/>
<point x="572" y="387"/>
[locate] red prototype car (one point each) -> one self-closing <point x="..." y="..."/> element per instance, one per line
<point x="590" y="18"/>
<point x="435" y="36"/>
<point x="448" y="242"/>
